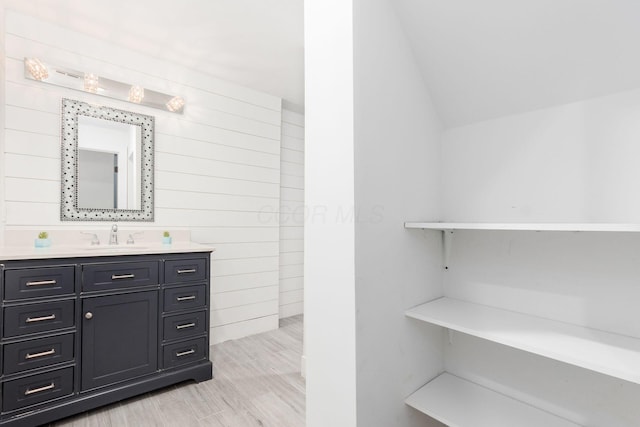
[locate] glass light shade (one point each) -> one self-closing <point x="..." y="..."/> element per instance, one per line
<point x="136" y="94"/>
<point x="91" y="82"/>
<point x="175" y="104"/>
<point x="37" y="70"/>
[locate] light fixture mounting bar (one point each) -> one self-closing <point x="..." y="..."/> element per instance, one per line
<point x="91" y="82"/>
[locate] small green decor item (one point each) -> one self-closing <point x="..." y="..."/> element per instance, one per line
<point x="166" y="238"/>
<point x="43" y="240"/>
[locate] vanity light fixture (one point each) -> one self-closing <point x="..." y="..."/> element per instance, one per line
<point x="36" y="69"/>
<point x="175" y="104"/>
<point x="136" y="94"/>
<point x="89" y="82"/>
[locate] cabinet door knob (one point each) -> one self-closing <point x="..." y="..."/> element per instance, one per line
<point x="88" y="315"/>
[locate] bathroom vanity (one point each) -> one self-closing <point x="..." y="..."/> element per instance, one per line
<point x="85" y="328"/>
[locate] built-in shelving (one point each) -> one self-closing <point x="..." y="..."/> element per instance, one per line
<point x="599" y="351"/>
<point x="506" y="226"/>
<point x="460" y="403"/>
<point x="448" y="229"/>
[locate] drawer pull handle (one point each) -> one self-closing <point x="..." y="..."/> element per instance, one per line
<point x="41" y="282"/>
<point x="42" y="354"/>
<point x="122" y="276"/>
<point x="40" y="389"/>
<point x="40" y="319"/>
<point x="189" y="298"/>
<point x="185" y="326"/>
<point x="189" y="270"/>
<point x="185" y="353"/>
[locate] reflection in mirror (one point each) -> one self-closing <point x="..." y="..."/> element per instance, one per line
<point x="107" y="169"/>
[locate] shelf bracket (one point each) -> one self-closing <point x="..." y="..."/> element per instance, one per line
<point x="447" y="241"/>
<point x="450" y="334"/>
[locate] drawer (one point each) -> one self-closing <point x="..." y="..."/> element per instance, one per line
<point x="32" y="318"/>
<point x="37" y="353"/>
<point x="184" y="297"/>
<point x="184" y="325"/>
<point x="185" y="270"/>
<point x="37" y="389"/>
<point x="38" y="282"/>
<point x="97" y="277"/>
<point x="184" y="352"/>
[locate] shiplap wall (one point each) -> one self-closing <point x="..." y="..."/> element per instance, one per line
<point x="217" y="166"/>
<point x="2" y="115"/>
<point x="292" y="210"/>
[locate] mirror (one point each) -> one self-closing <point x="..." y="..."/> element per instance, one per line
<point x="107" y="164"/>
<point x="108" y="169"/>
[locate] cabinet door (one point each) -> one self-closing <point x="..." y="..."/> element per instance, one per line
<point x="119" y="338"/>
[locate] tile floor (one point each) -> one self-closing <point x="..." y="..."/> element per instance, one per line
<point x="256" y="383"/>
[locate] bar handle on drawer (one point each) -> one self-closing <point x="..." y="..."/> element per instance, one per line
<point x="189" y="298"/>
<point x="41" y="282"/>
<point x="185" y="326"/>
<point x="185" y="353"/>
<point x="40" y="389"/>
<point x="40" y="319"/>
<point x="188" y="270"/>
<point x="41" y="354"/>
<point x="122" y="276"/>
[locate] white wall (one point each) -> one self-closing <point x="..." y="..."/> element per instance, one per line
<point x="397" y="171"/>
<point x="570" y="163"/>
<point x="329" y="293"/>
<point x="372" y="161"/>
<point x="292" y="214"/>
<point x="575" y="163"/>
<point x="3" y="90"/>
<point x="217" y="165"/>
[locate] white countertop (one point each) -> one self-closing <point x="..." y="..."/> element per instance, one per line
<point x="86" y="250"/>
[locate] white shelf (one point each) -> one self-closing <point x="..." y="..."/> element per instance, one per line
<point x="460" y="403"/>
<point x="607" y="353"/>
<point x="505" y="226"/>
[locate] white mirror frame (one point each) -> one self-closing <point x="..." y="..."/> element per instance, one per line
<point x="69" y="210"/>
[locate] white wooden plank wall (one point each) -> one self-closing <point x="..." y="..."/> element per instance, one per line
<point x="292" y="214"/>
<point x="217" y="166"/>
<point x="2" y="115"/>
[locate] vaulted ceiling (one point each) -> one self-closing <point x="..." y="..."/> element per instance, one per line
<point x="480" y="58"/>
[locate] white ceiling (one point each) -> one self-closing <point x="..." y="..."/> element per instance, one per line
<point x="480" y="58"/>
<point x="255" y="43"/>
<point x="483" y="59"/>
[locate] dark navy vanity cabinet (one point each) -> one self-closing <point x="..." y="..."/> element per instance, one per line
<point x="79" y="333"/>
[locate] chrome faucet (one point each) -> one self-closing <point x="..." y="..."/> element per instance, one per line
<point x="113" y="237"/>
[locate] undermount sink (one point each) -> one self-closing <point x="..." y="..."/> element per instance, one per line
<point x="113" y="248"/>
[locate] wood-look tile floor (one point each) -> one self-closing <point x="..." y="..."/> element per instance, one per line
<point x="256" y="383"/>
